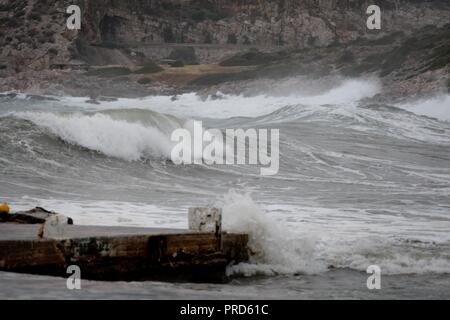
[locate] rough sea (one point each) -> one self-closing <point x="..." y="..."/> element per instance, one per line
<point x="360" y="183"/>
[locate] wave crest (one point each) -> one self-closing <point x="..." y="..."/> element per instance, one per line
<point x="108" y="133"/>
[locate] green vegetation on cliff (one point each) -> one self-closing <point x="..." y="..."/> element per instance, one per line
<point x="109" y="72"/>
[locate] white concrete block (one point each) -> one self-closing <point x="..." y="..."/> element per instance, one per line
<point x="205" y="219"/>
<point x="55" y="226"/>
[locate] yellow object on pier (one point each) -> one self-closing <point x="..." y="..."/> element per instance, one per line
<point x="4" y="208"/>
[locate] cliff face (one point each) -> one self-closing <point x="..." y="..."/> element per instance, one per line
<point x="262" y="23"/>
<point x="267" y="24"/>
<point x="34" y="34"/>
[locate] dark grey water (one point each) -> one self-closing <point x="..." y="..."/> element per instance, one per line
<point x="338" y="284"/>
<point x="359" y="184"/>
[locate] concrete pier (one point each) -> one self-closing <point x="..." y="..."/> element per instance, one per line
<point x="122" y="253"/>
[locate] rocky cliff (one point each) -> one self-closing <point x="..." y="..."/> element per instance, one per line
<point x="34" y="35"/>
<point x="294" y="23"/>
<point x="253" y="40"/>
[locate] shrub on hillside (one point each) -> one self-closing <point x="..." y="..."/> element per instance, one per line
<point x="109" y="72"/>
<point x="250" y="58"/>
<point x="144" y="81"/>
<point x="149" y="67"/>
<point x="185" y="54"/>
<point x="177" y="64"/>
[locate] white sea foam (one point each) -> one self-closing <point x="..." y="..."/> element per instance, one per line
<point x="109" y="213"/>
<point x="191" y="105"/>
<point x="100" y="132"/>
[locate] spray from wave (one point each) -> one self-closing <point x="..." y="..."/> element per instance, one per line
<point x="276" y="248"/>
<point x="223" y="106"/>
<point x="436" y="107"/>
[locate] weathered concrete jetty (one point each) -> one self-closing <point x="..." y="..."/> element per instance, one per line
<point x="119" y="253"/>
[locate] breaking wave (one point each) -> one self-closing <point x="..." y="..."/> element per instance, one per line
<point x="127" y="135"/>
<point x="223" y="106"/>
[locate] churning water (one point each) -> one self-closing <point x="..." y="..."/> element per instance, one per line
<point x="360" y="183"/>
